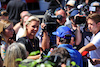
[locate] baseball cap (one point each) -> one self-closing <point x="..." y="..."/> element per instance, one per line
<point x="71" y="3"/>
<point x="73" y="13"/>
<point x="95" y="4"/>
<point x="62" y="31"/>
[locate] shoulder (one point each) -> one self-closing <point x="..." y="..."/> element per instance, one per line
<point x="3" y="42"/>
<point x="22" y="39"/>
<point x="36" y="38"/>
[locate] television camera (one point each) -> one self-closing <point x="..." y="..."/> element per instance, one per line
<point x="50" y="21"/>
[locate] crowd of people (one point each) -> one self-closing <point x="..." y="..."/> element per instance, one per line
<point x="72" y="37"/>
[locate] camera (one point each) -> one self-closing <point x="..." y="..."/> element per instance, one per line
<point x="80" y="19"/>
<point x="50" y="21"/>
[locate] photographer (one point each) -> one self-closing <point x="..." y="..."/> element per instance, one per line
<point x="50" y="25"/>
<point x="60" y="11"/>
<point x="94" y="7"/>
<point x="83" y="35"/>
<point x="75" y="27"/>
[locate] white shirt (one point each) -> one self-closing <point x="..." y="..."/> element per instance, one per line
<point x="95" y="53"/>
<point x="20" y="33"/>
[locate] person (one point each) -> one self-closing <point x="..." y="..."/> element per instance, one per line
<point x="3" y="14"/>
<point x="71" y="4"/>
<point x="52" y="38"/>
<point x="63" y="54"/>
<point x="29" y="39"/>
<point x="63" y="38"/>
<point x="14" y="51"/>
<point x="14" y="8"/>
<point x="22" y="23"/>
<point x="59" y="22"/>
<point x="93" y="22"/>
<point x="60" y="11"/>
<point x="18" y="25"/>
<point x="94" y="7"/>
<point x="75" y="27"/>
<point x="82" y="33"/>
<point x="6" y="31"/>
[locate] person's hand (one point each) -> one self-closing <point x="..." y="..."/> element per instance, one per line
<point x="95" y="61"/>
<point x="43" y="25"/>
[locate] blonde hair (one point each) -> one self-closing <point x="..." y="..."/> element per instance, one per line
<point x="14" y="51"/>
<point x="31" y="18"/>
<point x="4" y="23"/>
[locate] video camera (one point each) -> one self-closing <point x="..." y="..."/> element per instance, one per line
<point x="80" y="19"/>
<point x="50" y="21"/>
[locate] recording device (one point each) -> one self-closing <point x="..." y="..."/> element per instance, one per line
<point x="80" y="19"/>
<point x="85" y="53"/>
<point x="50" y="21"/>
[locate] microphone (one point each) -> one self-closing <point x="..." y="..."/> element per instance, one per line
<point x="85" y="53"/>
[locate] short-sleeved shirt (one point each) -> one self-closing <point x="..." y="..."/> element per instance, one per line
<point x="75" y="55"/>
<point x="95" y="53"/>
<point x="30" y="44"/>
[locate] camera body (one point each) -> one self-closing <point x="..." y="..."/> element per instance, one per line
<point x="50" y="21"/>
<point x="80" y="19"/>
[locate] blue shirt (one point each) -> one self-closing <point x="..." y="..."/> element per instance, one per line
<point x="75" y="55"/>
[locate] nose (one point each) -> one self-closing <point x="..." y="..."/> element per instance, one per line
<point x="88" y="25"/>
<point x="36" y="28"/>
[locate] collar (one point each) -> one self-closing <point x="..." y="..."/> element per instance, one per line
<point x="65" y="45"/>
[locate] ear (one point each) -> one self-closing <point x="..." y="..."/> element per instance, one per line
<point x="98" y="24"/>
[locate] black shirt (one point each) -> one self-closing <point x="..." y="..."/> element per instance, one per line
<point x="30" y="44"/>
<point x="14" y="8"/>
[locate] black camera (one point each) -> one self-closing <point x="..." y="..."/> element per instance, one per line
<point x="50" y="20"/>
<point x="80" y="19"/>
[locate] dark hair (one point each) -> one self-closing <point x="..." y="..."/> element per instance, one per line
<point x="65" y="41"/>
<point x="57" y="9"/>
<point x="62" y="53"/>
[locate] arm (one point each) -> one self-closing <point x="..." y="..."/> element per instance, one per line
<point x="3" y="51"/>
<point x="45" y="41"/>
<point x="88" y="47"/>
<point x="16" y="27"/>
<point x="45" y="38"/>
<point x="78" y="35"/>
<point x="34" y="57"/>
